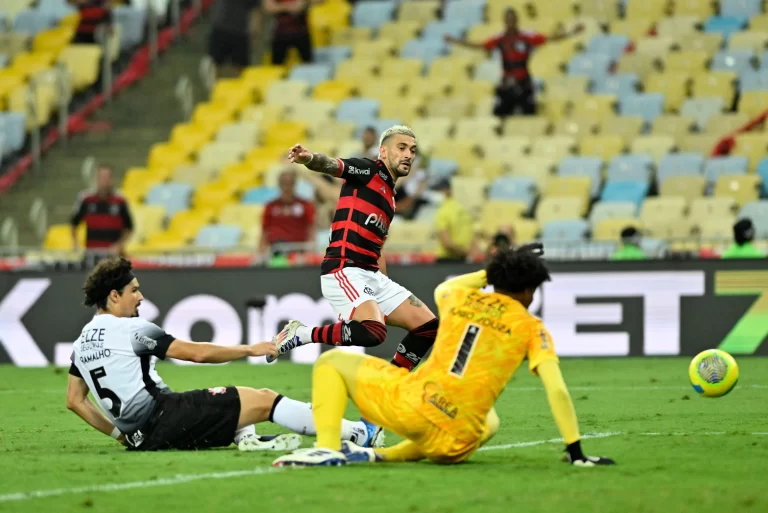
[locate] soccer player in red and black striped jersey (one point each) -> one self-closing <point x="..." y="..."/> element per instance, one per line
<point x="353" y="273"/>
<point x="106" y="215"/>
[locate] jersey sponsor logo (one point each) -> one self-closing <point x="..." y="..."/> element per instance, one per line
<point x="368" y="290"/>
<point x="136" y="439"/>
<point x="411" y="357"/>
<point x="352" y="170"/>
<point x="217" y="390"/>
<point x="433" y="395"/>
<point x="346" y="335"/>
<point x="383" y="175"/>
<point x="379" y="222"/>
<point x="150" y="343"/>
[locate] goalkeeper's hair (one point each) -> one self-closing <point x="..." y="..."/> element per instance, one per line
<point x="516" y="270"/>
<point x="110" y="274"/>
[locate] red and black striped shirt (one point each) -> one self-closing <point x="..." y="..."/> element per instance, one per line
<point x="363" y="215"/>
<point x="105" y="218"/>
<point x="515" y="51"/>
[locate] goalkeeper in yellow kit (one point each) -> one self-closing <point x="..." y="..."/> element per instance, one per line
<point x="444" y="409"/>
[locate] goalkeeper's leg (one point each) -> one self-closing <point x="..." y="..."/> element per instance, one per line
<point x="404" y="451"/>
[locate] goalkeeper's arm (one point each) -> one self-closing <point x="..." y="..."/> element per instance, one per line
<point x="565" y="415"/>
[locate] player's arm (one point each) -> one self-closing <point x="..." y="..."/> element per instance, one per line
<point x="315" y="161"/>
<point x="465" y="43"/>
<point x="78" y="402"/>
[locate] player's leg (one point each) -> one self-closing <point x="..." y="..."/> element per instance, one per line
<point x="491" y="427"/>
<point x="403" y="451"/>
<point x="406" y="311"/>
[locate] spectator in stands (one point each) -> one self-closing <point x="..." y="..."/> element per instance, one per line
<point x="288" y="221"/>
<point x="743" y="235"/>
<point x="107" y="218"/>
<point x="230" y="38"/>
<point x="516" y="91"/>
<point x="291" y="29"/>
<point x="370" y="141"/>
<point x="454" y="227"/>
<point x="94" y="14"/>
<point x="630" y="246"/>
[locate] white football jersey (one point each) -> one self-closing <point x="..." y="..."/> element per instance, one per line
<point x="114" y="355"/>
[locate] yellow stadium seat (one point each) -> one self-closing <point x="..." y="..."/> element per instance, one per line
<point x="210" y="114"/>
<point x="405" y="109"/>
<point x="655" y="145"/>
<point x="427" y="89"/>
<point x="749" y="40"/>
<point x="505" y="149"/>
<point x="753" y="145"/>
<point x="674" y="125"/>
<point x="694" y="61"/>
<point x="673" y="84"/>
<point x="401" y="68"/>
<point x="19" y="101"/>
<point x="213" y="196"/>
<point x="469" y="191"/>
<point x="559" y="10"/>
<point x="336" y="130"/>
<point x="602" y="10"/>
<point x="526" y="230"/>
<point x="28" y="64"/>
<point x="725" y="124"/>
<point x="530" y="126"/>
<point x="566" y="86"/>
<point x="597" y="106"/>
<point x="487" y="170"/>
<point x="626" y="127"/>
<point x="421" y="12"/>
<point x="578" y="127"/>
<point x="660" y="228"/>
<point x="759" y="22"/>
<point x="555" y="109"/>
<point x="657" y="46"/>
<point x="412" y="236"/>
<point x="400" y="31"/>
<point x="496" y="213"/>
<point x="698" y="143"/>
<point x="497" y="8"/>
<point x="665" y="208"/>
<point x="720" y="230"/>
<point x="707" y="42"/>
<point x="753" y="103"/>
<point x="704" y="209"/>
<point x="478" y="91"/>
<point x="485" y="31"/>
<point x="455" y="68"/>
<point x="240" y="175"/>
<point x="462" y="152"/>
<point x="356" y="71"/>
<point x="164" y="242"/>
<point x="477" y="128"/>
<point x="264" y="114"/>
<point x="383" y="88"/>
<point x="59" y="237"/>
<point x="688" y="187"/>
<point x="190" y="137"/>
<point x="286" y="92"/>
<point x="569" y="186"/>
<point x="648" y="9"/>
<point x="377" y="49"/>
<point x="540" y="169"/>
<point x="605" y="146"/>
<point x="241" y="215"/>
<point x="234" y="92"/>
<point x="546" y="26"/>
<point x="166" y="155"/>
<point x="193" y="174"/>
<point x="9" y="82"/>
<point x="700" y="8"/>
<point x="258" y="78"/>
<point x="285" y="133"/>
<point x="245" y="134"/>
<point x="558" y="208"/>
<point x="186" y="223"/>
<point x="556" y="146"/>
<point x="637" y="63"/>
<point x="610" y="229"/>
<point x="334" y="91"/>
<point x="548" y="61"/>
<point x="633" y="28"/>
<point x="52" y="40"/>
<point x="349" y="36"/>
<point x="147" y="219"/>
<point x="716" y="83"/>
<point x="454" y="107"/>
<point x="311" y="112"/>
<point x="431" y="130"/>
<point x="677" y="26"/>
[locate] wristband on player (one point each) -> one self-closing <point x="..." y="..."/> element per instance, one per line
<point x="311" y="156"/>
<point x="115" y="433"/>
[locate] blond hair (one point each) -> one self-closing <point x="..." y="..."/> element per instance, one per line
<point x="395" y="130"/>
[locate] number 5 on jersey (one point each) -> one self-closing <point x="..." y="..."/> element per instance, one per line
<point x="105" y="393"/>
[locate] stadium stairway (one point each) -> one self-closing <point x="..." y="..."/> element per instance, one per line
<point x="139" y="117"/>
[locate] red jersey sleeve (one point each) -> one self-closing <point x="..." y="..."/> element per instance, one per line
<point x="356" y="170"/>
<point x="492" y="43"/>
<point x="536" y="39"/>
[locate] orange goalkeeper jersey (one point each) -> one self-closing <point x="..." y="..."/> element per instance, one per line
<point x="482" y="340"/>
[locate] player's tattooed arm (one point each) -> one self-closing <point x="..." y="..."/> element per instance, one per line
<point x="323" y="164"/>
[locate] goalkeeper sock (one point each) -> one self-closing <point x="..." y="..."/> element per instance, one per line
<point x="244" y="433"/>
<point x="297" y="416"/>
<point x="416" y="344"/>
<point x="574" y="451"/>
<point x="345" y="333"/>
<point x="329" y="402"/>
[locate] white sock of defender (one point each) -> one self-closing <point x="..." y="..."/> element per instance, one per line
<point x="297" y="416"/>
<point x="305" y="334"/>
<point x="245" y="432"/>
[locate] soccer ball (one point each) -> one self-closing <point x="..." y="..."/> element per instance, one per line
<point x="713" y="373"/>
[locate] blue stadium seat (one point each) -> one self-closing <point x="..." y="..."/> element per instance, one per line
<point x="633" y="164"/>
<point x="55" y="10"/>
<point x="332" y="54"/>
<point x="173" y="196"/>
<point x="218" y="236"/>
<point x="702" y="108"/>
<point x="566" y="230"/>
<point x="621" y="85"/>
<point x="727" y="165"/>
<point x="442" y="168"/>
<point x="762" y="171"/>
<point x="132" y="23"/>
<point x="426" y="50"/>
<point x="612" y="210"/>
<point x="741" y="8"/>
<point x="732" y="60"/>
<point x="14" y="131"/>
<point x="625" y="191"/>
<point x="648" y="106"/>
<point x="357" y="110"/>
<point x="725" y="25"/>
<point x="757" y="211"/>
<point x="613" y="45"/>
<point x="468" y="12"/>
<point x="305" y="189"/>
<point x="513" y="188"/>
<point x="680" y="164"/>
<point x="313" y="74"/>
<point x="764" y="60"/>
<point x="382" y="124"/>
<point x="630" y="174"/>
<point x="31" y="21"/>
<point x="753" y="80"/>
<point x="373" y="14"/>
<point x="260" y="195"/>
<point x="321" y="240"/>
<point x="583" y="166"/>
<point x="438" y="29"/>
<point x="593" y="65"/>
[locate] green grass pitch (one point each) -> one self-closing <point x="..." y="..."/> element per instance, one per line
<point x="676" y="452"/>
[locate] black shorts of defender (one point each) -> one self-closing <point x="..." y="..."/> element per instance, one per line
<point x="188" y="421"/>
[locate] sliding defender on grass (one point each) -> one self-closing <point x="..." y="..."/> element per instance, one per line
<point x="113" y="359"/>
<point x="444" y="409"/>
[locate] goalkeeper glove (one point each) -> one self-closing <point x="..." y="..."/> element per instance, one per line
<point x="578" y="459"/>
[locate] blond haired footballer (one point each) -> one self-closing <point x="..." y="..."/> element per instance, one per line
<point x="444" y="409"/>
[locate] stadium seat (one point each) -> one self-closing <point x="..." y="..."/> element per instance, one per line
<point x="733" y="60"/>
<point x="426" y="50"/>
<point x="604" y="147"/>
<point x="218" y="237"/>
<point x="611" y="228"/>
<point x="260" y="195"/>
<point x="193" y="174"/>
<point x="725" y="25"/>
<point x="754" y="42"/>
<point x="633" y="29"/>
<point x="147" y="219"/>
<point x="286" y="92"/>
<point x="560" y="208"/>
<point x="334" y="91"/>
<point x="709" y="43"/>
<point x="753" y="80"/>
<point x="332" y="55"/>
<point x="312" y="74"/>
<point x="640" y="64"/>
<point x="626" y="127"/>
<point x="132" y="25"/>
<point x="373" y="14"/>
<point x="663" y="209"/>
<point x="741" y="188"/>
<point x="702" y="209"/>
<point x="540" y="169"/>
<point x="688" y="187"/>
<point x="741" y="8"/>
<point x="716" y="167"/>
<point x="471" y="192"/>
<point x="496" y="213"/>
<point x="439" y="29"/>
<point x="213" y="195"/>
<point x="557" y="146"/>
<point x="679" y="230"/>
<point x="762" y="172"/>
<point x="680" y="164"/>
<point x="657" y="47"/>
<point x="673" y="125"/>
<point x="174" y="197"/>
<point x="725" y="124"/>
<point x="757" y="211"/>
<point x="357" y="110"/>
<point x="578" y="127"/>
<point x="692" y="61"/>
<point x="625" y="191"/>
<point x="612" y="45"/>
<point x="702" y="108"/>
<point x="30" y="22"/>
<point x="594" y="66"/>
<point x="611" y="210"/>
<point x="753" y="103"/>
<point x="569" y="186"/>
<point x="620" y="85"/>
<point x="186" y="223"/>
<point x="13" y="131"/>
<point x="242" y="215"/>
<point x="583" y="166"/>
<point x="648" y="105"/>
<point x="628" y="173"/>
<point x="597" y="106"/>
<point x="513" y="188"/>
<point x="701" y="143"/>
<point x="676" y="26"/>
<point x="505" y="149"/>
<point x="59" y="237"/>
<point x="753" y="145"/>
<point x="218" y="154"/>
<point x="655" y="145"/>
<point x="529" y="126"/>
<point x="567" y="231"/>
<point x="716" y="230"/>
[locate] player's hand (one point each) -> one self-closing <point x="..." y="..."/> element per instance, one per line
<point x="591" y="461"/>
<point x="264" y="349"/>
<point x="299" y="155"/>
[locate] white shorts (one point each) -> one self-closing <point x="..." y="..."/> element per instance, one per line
<point x="348" y="288"/>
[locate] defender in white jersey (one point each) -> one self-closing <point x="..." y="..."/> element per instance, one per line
<point x="114" y="359"/>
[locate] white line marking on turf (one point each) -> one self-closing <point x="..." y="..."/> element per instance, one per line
<point x="187" y="478"/>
